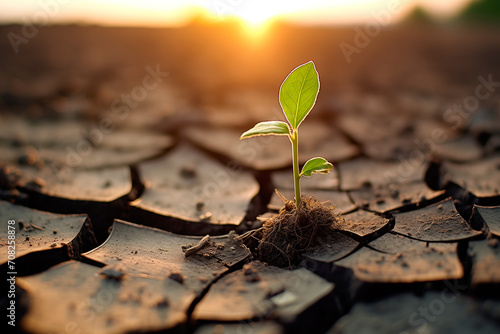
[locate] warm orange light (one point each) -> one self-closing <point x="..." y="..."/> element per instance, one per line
<point x="255" y="16"/>
<point x="255" y="26"/>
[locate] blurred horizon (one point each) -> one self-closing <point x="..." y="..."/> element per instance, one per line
<point x="255" y="13"/>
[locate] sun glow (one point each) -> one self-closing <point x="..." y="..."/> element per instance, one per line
<point x="256" y="15"/>
<point x="255" y="27"/>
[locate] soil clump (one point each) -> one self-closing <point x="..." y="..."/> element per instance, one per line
<point x="286" y="236"/>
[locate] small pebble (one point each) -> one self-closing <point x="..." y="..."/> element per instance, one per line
<point x="177" y="277"/>
<point x="114" y="272"/>
<point x="251" y="275"/>
<point x="493" y="243"/>
<point x="218" y="329"/>
<point x="14" y="193"/>
<point x="397" y="257"/>
<point x="366" y="184"/>
<point x="29" y="157"/>
<point x="162" y="303"/>
<point x="188" y="171"/>
<point x="206" y="216"/>
<point x="36" y="183"/>
<point x="394" y="193"/>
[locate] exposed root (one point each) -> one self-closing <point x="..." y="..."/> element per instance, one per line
<point x="188" y="251"/>
<point x="292" y="232"/>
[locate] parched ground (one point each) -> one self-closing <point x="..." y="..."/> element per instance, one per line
<point x="119" y="146"/>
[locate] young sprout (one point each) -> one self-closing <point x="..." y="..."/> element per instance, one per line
<point x="297" y="96"/>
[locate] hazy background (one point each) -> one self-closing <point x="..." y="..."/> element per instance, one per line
<point x="172" y="13"/>
<point x="57" y="58"/>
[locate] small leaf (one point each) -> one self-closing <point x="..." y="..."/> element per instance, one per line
<point x="267" y="128"/>
<point x="298" y="93"/>
<point x="316" y="165"/>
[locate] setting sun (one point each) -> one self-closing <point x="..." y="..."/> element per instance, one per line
<point x="256" y="18"/>
<point x="254" y="14"/>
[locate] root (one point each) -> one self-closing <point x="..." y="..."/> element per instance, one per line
<point x="293" y="231"/>
<point x="194" y="249"/>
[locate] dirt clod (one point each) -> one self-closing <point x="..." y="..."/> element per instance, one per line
<point x="36" y="183"/>
<point x="188" y="171"/>
<point x="251" y="275"/>
<point x="178" y="277"/>
<point x="493" y="243"/>
<point x="199" y="204"/>
<point x="293" y="231"/>
<point x="9" y="177"/>
<point x="113" y="272"/>
<point x="206" y="216"/>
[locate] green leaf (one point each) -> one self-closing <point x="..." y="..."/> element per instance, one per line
<point x="316" y="165"/>
<point x="298" y="93"/>
<point x="267" y="128"/>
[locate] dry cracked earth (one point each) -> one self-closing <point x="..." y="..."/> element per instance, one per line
<point x="120" y="146"/>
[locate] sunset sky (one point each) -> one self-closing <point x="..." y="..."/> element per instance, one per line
<point x="252" y="12"/>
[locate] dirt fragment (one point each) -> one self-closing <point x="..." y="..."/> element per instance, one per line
<point x="36" y="231"/>
<point x="113" y="272"/>
<point x="9" y="176"/>
<point x="487" y="215"/>
<point x="493" y="243"/>
<point x="438" y="222"/>
<point x="251" y="275"/>
<point x="178" y="277"/>
<point x="188" y="171"/>
<point x="65" y="294"/>
<point x="206" y="216"/>
<point x="199" y="204"/>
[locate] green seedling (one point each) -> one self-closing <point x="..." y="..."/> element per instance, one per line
<point x="297" y="97"/>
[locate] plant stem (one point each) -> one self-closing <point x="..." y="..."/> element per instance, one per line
<point x="294" y="138"/>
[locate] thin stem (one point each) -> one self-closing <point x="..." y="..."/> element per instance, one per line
<point x="294" y="138"/>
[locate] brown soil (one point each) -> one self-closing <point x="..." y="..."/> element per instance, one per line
<point x="286" y="236"/>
